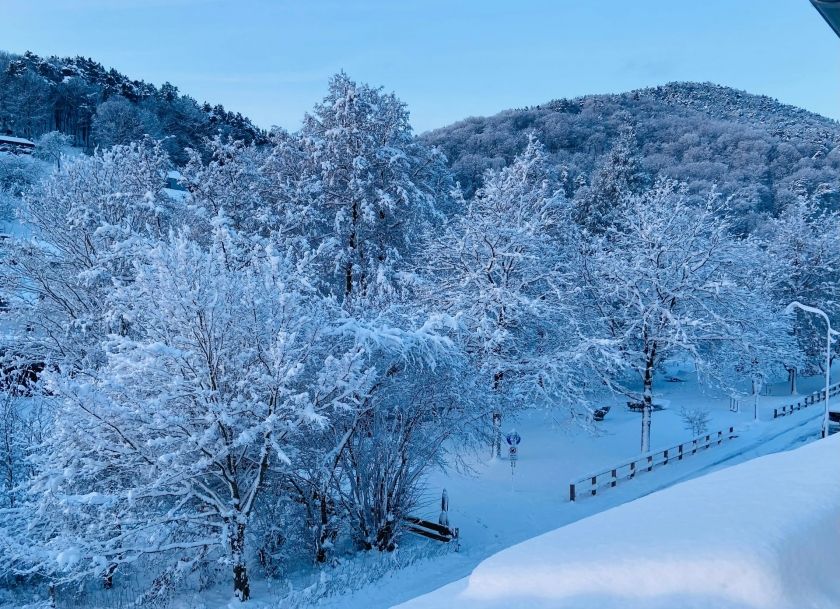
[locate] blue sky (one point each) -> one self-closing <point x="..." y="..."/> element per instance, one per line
<point x="450" y="59"/>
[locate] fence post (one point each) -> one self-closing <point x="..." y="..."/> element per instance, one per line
<point x="594" y="485"/>
<point x="775" y="413"/>
<point x="572" y="491"/>
<point x="731" y="432"/>
<point x="650" y="462"/>
<point x="443" y="519"/>
<point x="666" y="458"/>
<point x="679" y="458"/>
<point x="632" y="470"/>
<point x="613" y="482"/>
<point x="694" y="446"/>
<point x="720" y="437"/>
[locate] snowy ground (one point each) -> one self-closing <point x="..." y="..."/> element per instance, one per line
<point x="760" y="535"/>
<point x="494" y="510"/>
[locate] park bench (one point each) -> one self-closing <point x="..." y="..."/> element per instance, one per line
<point x="640" y="406"/>
<point x="430" y="530"/>
<point x="600" y="413"/>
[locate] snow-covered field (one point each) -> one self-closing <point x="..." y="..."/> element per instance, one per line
<point x="495" y="510"/>
<point x="763" y="534"/>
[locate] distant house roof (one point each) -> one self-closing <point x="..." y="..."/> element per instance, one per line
<point x="17" y="141"/>
<point x="830" y="10"/>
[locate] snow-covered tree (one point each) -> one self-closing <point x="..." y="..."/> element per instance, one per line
<point x="23" y="421"/>
<point x="618" y="175"/>
<point x="261" y="191"/>
<point x="85" y="224"/>
<point x="376" y="186"/>
<point x="165" y="448"/>
<point x="52" y="146"/>
<point x="665" y="280"/>
<point x="501" y="269"/>
<point x="415" y="417"/>
<point x="373" y="191"/>
<point x="802" y="262"/>
<point x="118" y="122"/>
<point x="18" y="173"/>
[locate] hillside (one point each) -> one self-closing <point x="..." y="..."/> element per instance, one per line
<point x="753" y="147"/>
<point x="100" y="106"/>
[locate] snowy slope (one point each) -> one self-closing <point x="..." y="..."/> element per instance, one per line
<point x="763" y="534"/>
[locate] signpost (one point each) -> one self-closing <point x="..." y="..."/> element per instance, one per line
<point x="513" y="439"/>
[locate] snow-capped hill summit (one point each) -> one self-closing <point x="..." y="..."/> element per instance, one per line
<point x="759" y="151"/>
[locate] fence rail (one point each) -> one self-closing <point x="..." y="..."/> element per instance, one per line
<point x="610" y="477"/>
<point x="813" y="398"/>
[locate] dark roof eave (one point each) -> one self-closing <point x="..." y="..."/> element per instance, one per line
<point x="830" y="10"/>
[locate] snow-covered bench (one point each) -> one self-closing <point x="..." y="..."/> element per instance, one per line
<point x="640" y="406"/>
<point x="599" y="413"/>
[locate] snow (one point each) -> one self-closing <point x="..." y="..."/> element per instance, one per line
<point x="763" y="534"/>
<point x="494" y="510"/>
<point x="8" y="139"/>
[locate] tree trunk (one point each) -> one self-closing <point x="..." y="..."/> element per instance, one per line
<point x="792" y="379"/>
<point x="647" y="401"/>
<point x="324" y="533"/>
<point x="496" y="446"/>
<point x="108" y="576"/>
<point x="241" y="587"/>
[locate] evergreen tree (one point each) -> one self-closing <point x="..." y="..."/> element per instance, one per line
<point x="619" y="175"/>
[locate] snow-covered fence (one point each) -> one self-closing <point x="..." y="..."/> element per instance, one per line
<point x="627" y="470"/>
<point x="814" y="398"/>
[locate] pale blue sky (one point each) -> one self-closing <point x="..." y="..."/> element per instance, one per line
<point x="450" y="59"/>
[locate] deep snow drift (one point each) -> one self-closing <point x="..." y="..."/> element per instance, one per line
<point x="763" y="534"/>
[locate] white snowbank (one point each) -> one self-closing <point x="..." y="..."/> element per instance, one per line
<point x="764" y="534"/>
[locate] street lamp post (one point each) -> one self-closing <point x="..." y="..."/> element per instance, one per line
<point x="789" y="309"/>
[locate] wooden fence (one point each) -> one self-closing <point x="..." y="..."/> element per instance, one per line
<point x="608" y="478"/>
<point x="814" y="398"/>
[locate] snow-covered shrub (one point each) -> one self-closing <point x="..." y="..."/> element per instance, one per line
<point x="52" y="146"/>
<point x="695" y="420"/>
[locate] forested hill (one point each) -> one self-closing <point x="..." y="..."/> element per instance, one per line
<point x="760" y="152"/>
<point x="753" y="147"/>
<point x="99" y="106"/>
